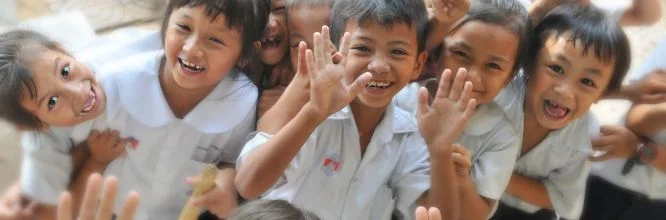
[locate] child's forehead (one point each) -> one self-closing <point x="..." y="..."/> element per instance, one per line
<point x="373" y="29"/>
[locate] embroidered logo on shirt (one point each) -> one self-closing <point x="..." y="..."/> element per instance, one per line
<point x="132" y="143"/>
<point x="331" y="164"/>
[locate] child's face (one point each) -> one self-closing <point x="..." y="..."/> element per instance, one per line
<point x="487" y="51"/>
<point x="67" y="91"/>
<point x="274" y="43"/>
<point x="200" y="51"/>
<point x="389" y="53"/>
<point x="565" y="82"/>
<point x="303" y="22"/>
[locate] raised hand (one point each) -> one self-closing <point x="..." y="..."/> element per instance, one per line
<point x="329" y="87"/>
<point x="105" y="146"/>
<point x="441" y="122"/>
<point x="462" y="159"/>
<point x="448" y="11"/>
<point x="91" y="209"/>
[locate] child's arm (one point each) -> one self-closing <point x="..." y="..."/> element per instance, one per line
<point x="292" y="99"/>
<point x="563" y="190"/>
<point x="530" y="190"/>
<point x="642" y="12"/>
<point x="647" y="119"/>
<point x="442" y="15"/>
<point x="329" y="93"/>
<point x="103" y="147"/>
<point x="650" y="89"/>
<point x="440" y="124"/>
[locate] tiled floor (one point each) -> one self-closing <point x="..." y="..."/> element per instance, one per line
<point x="643" y="39"/>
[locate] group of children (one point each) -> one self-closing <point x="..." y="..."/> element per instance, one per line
<point x="339" y="109"/>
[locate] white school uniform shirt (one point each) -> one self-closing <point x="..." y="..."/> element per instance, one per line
<point x="163" y="150"/>
<point x="329" y="177"/>
<point x="559" y="161"/>
<point x="643" y="179"/>
<point x="491" y="138"/>
<point x="43" y="182"/>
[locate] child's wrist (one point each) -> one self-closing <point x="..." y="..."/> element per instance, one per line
<point x="311" y="113"/>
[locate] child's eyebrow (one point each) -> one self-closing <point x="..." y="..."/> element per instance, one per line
<point x="563" y="58"/>
<point x="502" y="59"/>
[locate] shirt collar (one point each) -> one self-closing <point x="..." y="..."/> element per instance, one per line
<point x="136" y="84"/>
<point x="394" y="121"/>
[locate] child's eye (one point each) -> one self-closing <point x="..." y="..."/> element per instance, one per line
<point x="556" y="68"/>
<point x="183" y="27"/>
<point x="460" y="54"/>
<point x="217" y="41"/>
<point x="52" y="102"/>
<point x="399" y="52"/>
<point x="278" y="10"/>
<point x="361" y="48"/>
<point x="588" y="82"/>
<point x="494" y="66"/>
<point x="65" y="72"/>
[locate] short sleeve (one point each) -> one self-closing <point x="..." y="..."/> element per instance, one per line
<point x="300" y="162"/>
<point x="412" y="176"/>
<point x="46" y="167"/>
<point x="566" y="186"/>
<point x="493" y="169"/>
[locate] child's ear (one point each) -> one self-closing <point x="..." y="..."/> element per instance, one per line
<point x="420" y="64"/>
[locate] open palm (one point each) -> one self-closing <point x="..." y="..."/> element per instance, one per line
<point x="444" y="120"/>
<point x="329" y="88"/>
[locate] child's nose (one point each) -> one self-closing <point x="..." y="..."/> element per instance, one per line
<point x="191" y="46"/>
<point x="379" y="65"/>
<point x="564" y="90"/>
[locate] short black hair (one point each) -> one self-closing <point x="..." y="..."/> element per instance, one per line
<point x="269" y="210"/>
<point x="383" y="12"/>
<point x="16" y="77"/>
<point x="249" y="17"/>
<point x="596" y="32"/>
<point x="510" y="14"/>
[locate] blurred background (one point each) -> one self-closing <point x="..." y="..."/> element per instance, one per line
<point x="77" y="23"/>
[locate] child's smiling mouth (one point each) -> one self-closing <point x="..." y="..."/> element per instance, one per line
<point x="190" y="66"/>
<point x="90" y="103"/>
<point x="555" y="110"/>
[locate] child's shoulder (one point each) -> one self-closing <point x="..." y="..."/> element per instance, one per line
<point x="140" y="63"/>
<point x="578" y="134"/>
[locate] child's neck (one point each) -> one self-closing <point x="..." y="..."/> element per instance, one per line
<point x="533" y="132"/>
<point x="181" y="101"/>
<point x="366" y="118"/>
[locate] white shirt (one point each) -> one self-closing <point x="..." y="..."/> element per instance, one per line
<point x="492" y="140"/>
<point x="559" y="161"/>
<point x="164" y="149"/>
<point x="330" y="177"/>
<point x="643" y="179"/>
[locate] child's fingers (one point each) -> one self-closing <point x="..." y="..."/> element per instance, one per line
<point x="423" y="102"/>
<point x="94" y="134"/>
<point x="459" y="148"/>
<point x="434" y="214"/>
<point x="602" y="158"/>
<point x="611" y="129"/>
<point x="421" y="213"/>
<point x="193" y="180"/>
<point x="469" y="111"/>
<point x="89" y="203"/>
<point x="302" y="67"/>
<point x="326" y="44"/>
<point x="358" y="84"/>
<point x="65" y="207"/>
<point x="344" y="47"/>
<point x="105" y="210"/>
<point x="603" y="140"/>
<point x="120" y="146"/>
<point x="310" y="64"/>
<point x="466" y="96"/>
<point x="458" y="85"/>
<point x="319" y="49"/>
<point x="129" y="208"/>
<point x="444" y="85"/>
